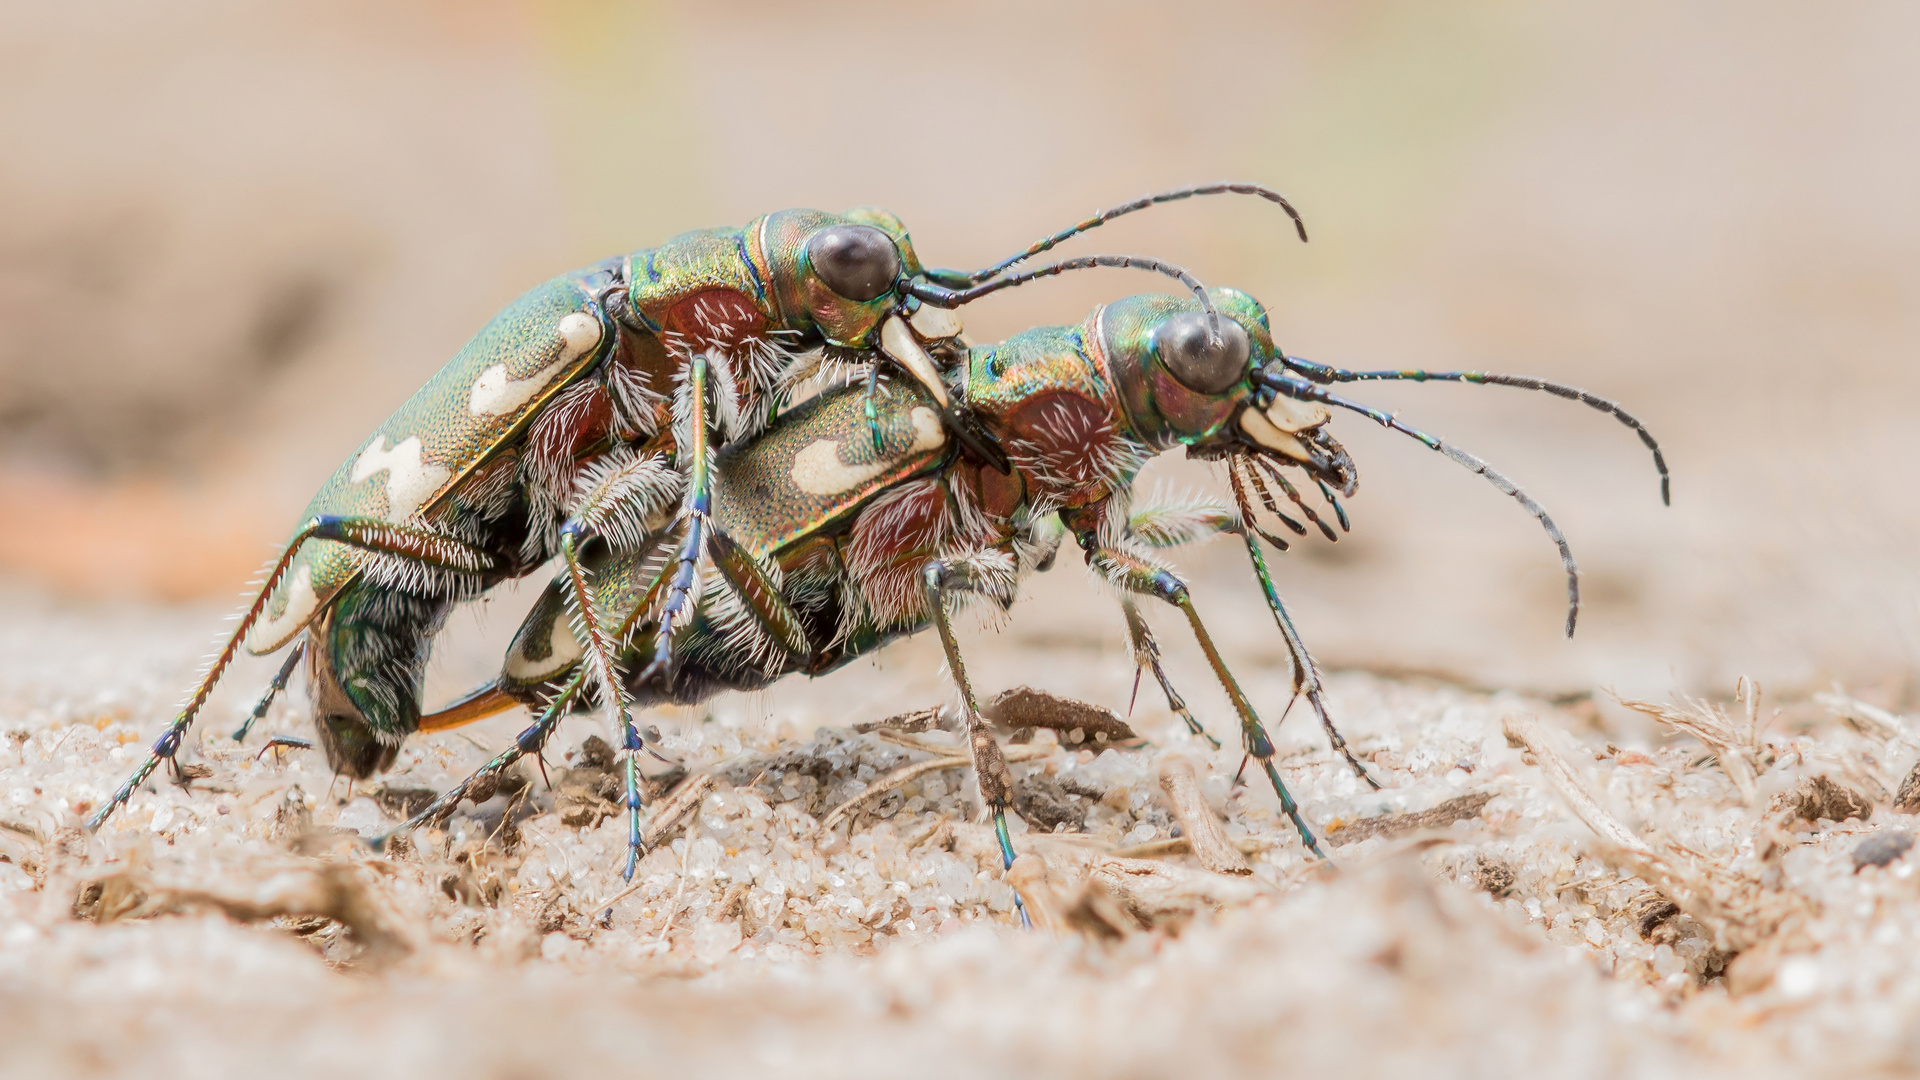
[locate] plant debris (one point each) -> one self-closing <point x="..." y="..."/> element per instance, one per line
<point x="1458" y="808"/>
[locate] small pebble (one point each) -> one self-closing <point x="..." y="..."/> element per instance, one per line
<point x="1881" y="848"/>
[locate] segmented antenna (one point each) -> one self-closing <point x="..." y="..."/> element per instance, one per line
<point x="1322" y="373"/>
<point x="942" y="296"/>
<point x="951" y="277"/>
<point x="1300" y="388"/>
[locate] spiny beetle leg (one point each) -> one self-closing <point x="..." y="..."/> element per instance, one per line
<point x="273" y="690"/>
<point x="1136" y="575"/>
<point x="530" y="741"/>
<point x="1306" y="675"/>
<point x="989" y="764"/>
<point x="276" y="743"/>
<point x="1146" y="654"/>
<point x="587" y="627"/>
<point x="696" y="511"/>
<point x="601" y="658"/>
<point x="759" y="597"/>
<point x="367" y="534"/>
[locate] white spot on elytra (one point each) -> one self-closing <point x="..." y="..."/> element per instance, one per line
<point x="410" y="481"/>
<point x="269" y="630"/>
<point x="563" y="650"/>
<point x="496" y="395"/>
<point x="818" y="470"/>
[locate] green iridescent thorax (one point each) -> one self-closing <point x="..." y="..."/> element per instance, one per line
<point x="697" y="277"/>
<point x="1159" y="410"/>
<point x="801" y="301"/>
<point x="1029" y="365"/>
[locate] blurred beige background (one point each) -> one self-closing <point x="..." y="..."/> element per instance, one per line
<point x="233" y="235"/>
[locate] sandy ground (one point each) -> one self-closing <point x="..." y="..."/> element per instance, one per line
<point x="1514" y="941"/>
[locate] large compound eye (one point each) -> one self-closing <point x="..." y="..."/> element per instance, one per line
<point x="1202" y="362"/>
<point x="858" y="262"/>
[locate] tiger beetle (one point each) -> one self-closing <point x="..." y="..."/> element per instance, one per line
<point x="901" y="497"/>
<point x="843" y="547"/>
<point x="581" y="412"/>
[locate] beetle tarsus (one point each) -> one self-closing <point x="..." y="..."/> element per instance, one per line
<point x="273" y="690"/>
<point x="1146" y="652"/>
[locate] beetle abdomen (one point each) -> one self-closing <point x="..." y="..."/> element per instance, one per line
<point x="367" y="661"/>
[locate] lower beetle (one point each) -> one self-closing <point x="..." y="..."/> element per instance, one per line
<point x="569" y="418"/>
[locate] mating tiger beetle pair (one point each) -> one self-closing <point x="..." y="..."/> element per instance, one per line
<point x="762" y="451"/>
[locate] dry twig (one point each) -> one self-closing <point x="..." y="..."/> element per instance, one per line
<point x="906" y="774"/>
<point x="1197" y="820"/>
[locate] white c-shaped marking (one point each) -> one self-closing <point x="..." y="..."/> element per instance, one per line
<point x="410" y="481"/>
<point x="300" y="604"/>
<point x="818" y="470"/>
<point x="496" y="395"/>
<point x="563" y="650"/>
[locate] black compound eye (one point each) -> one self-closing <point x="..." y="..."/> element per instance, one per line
<point x="858" y="262"/>
<point x="1202" y="362"/>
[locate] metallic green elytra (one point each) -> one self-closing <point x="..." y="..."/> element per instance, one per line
<point x="819" y="462"/>
<point x="479" y="402"/>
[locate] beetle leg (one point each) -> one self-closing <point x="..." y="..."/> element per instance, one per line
<point x="1136" y="575"/>
<point x="682" y="579"/>
<point x="600" y="658"/>
<point x="587" y="627"/>
<point x="696" y="507"/>
<point x="367" y="534"/>
<point x="1164" y="527"/>
<point x="989" y="764"/>
<point x="759" y="595"/>
<point x="273" y="690"/>
<point x="1146" y="654"/>
<point x="485" y="779"/>
<point x="1306" y="674"/>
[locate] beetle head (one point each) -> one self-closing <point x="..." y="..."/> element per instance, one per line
<point x="849" y="272"/>
<point x="1182" y="382"/>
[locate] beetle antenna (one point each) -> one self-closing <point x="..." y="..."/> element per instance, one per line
<point x="1104" y="216"/>
<point x="1296" y="387"/>
<point x="1322" y="373"/>
<point x="942" y="296"/>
